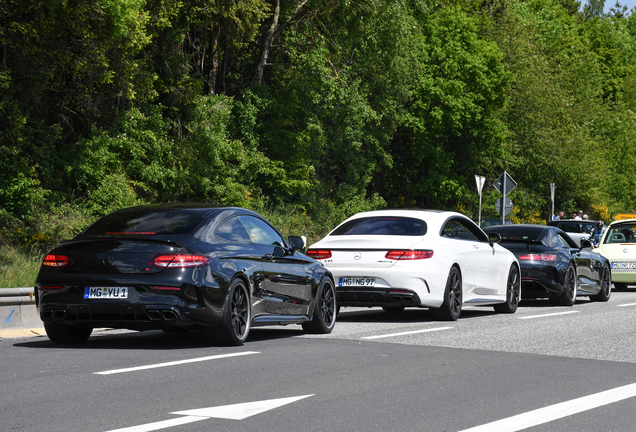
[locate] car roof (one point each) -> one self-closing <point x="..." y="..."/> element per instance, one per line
<point x="618" y="222"/>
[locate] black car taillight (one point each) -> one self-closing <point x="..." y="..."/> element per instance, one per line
<point x="537" y="257"/>
<point x="179" y="260"/>
<point x="52" y="260"/>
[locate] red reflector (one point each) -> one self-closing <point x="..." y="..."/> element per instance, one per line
<point x="167" y="288"/>
<point x="51" y="287"/>
<point x="132" y="232"/>
<point x="319" y="253"/>
<point x="409" y="254"/>
<point x="178" y="261"/>
<point x="538" y="257"/>
<point x="56" y="261"/>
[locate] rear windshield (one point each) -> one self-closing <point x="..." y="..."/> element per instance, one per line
<point x="383" y="225"/>
<point x="144" y="223"/>
<point x="525" y="234"/>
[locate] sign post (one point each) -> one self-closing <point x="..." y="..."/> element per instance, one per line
<point x="480" y="184"/>
<point x="504" y="184"/>
<point x="552" y="186"/>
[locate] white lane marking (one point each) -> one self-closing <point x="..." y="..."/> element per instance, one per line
<point x="627" y="304"/>
<point x="407" y="333"/>
<point x="555" y="412"/>
<point x="241" y="411"/>
<point x="148" y="427"/>
<point x="174" y="363"/>
<point x="231" y="412"/>
<point x="547" y="315"/>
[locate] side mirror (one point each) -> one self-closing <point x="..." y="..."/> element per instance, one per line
<point x="297" y="243"/>
<point x="493" y="238"/>
<point x="585" y="244"/>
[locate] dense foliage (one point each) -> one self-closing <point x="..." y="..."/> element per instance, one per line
<point x="319" y="107"/>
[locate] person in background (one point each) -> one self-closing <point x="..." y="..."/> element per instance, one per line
<point x="585" y="217"/>
<point x="578" y="216"/>
<point x="597" y="233"/>
<point x="557" y="216"/>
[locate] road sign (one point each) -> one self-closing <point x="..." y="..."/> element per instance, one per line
<point x="510" y="184"/>
<point x="480" y="183"/>
<point x="507" y="208"/>
<point x="624" y="216"/>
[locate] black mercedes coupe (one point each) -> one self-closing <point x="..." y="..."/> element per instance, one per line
<point x="553" y="266"/>
<point x="176" y="267"/>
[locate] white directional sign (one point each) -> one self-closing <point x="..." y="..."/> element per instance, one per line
<point x="232" y="412"/>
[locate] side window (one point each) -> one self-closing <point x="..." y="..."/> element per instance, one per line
<point x="455" y="228"/>
<point x="562" y="243"/>
<point x="260" y="232"/>
<point x="232" y="230"/>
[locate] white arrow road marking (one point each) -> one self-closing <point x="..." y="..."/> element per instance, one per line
<point x="407" y="333"/>
<point x="231" y="412"/>
<point x="174" y="363"/>
<point x="555" y="412"/>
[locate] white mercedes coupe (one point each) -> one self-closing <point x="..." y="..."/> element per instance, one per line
<point x="439" y="260"/>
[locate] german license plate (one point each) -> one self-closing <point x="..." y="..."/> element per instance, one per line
<point x="624" y="265"/>
<point x="351" y="281"/>
<point x="106" y="292"/>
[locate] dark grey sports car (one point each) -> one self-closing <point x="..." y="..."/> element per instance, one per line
<point x="182" y="266"/>
<point x="554" y="266"/>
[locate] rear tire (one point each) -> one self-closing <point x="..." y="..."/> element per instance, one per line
<point x="325" y="310"/>
<point x="451" y="308"/>
<point x="61" y="333"/>
<point x="606" y="286"/>
<point x="568" y="297"/>
<point x="513" y="292"/>
<point x="234" y="327"/>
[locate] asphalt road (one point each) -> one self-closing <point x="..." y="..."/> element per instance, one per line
<point x="544" y="368"/>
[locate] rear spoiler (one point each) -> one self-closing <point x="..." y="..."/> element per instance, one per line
<point x="528" y="243"/>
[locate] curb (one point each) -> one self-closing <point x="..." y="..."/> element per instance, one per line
<point x="18" y="314"/>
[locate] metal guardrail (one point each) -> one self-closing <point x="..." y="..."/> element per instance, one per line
<point x="17" y="309"/>
<point x="16" y="296"/>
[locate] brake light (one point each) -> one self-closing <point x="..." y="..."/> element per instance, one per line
<point x="56" y="260"/>
<point x="538" y="257"/>
<point x="409" y="254"/>
<point x="319" y="254"/>
<point x="178" y="261"/>
<point x="52" y="287"/>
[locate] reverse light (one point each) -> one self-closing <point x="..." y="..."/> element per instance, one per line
<point x="56" y="260"/>
<point x="409" y="254"/>
<point x="179" y="261"/>
<point x="319" y="254"/>
<point x="538" y="257"/>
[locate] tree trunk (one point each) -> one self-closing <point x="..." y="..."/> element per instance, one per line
<point x="268" y="43"/>
<point x="215" y="58"/>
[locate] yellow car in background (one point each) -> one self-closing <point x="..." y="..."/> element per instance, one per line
<point x="618" y="244"/>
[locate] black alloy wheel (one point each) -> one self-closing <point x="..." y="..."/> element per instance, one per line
<point x="62" y="333"/>
<point x="568" y="296"/>
<point x="513" y="292"/>
<point x="606" y="286"/>
<point x="451" y="308"/>
<point x="234" y="327"/>
<point x="325" y="310"/>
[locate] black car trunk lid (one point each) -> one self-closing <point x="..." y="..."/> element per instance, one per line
<point x="114" y="256"/>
